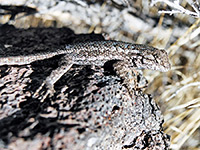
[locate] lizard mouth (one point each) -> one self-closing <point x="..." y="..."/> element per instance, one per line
<point x="164" y="64"/>
<point x="164" y="67"/>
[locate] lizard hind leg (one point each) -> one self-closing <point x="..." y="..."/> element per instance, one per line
<point x="49" y="82"/>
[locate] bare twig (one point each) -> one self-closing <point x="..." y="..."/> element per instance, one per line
<point x="177" y="8"/>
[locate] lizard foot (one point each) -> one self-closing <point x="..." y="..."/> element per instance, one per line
<point x="43" y="95"/>
<point x="51" y="80"/>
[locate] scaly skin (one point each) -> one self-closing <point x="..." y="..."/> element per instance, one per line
<point x="98" y="52"/>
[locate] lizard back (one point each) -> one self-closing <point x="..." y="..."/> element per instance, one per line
<point x="98" y="52"/>
<point x="137" y="55"/>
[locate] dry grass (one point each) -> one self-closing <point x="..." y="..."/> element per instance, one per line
<point x="179" y="95"/>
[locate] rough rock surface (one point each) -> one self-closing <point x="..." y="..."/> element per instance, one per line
<point x="91" y="109"/>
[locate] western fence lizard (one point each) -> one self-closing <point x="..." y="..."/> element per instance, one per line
<point x="129" y="55"/>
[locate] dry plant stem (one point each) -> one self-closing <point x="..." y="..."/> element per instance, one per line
<point x="184" y="129"/>
<point x="189" y="35"/>
<point x="188" y="79"/>
<point x="188" y="129"/>
<point x="178" y="8"/>
<point x="182" y="88"/>
<point x="189" y="104"/>
<point x="174" y="120"/>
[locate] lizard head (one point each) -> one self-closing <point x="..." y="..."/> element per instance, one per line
<point x="147" y="57"/>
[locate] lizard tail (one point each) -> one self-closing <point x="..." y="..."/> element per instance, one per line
<point x="22" y="60"/>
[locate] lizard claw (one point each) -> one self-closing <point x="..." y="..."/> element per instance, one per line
<point x="49" y="92"/>
<point x="51" y="80"/>
<point x="36" y="94"/>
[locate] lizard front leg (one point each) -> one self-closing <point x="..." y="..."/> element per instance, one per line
<point x="64" y="66"/>
<point x="132" y="78"/>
